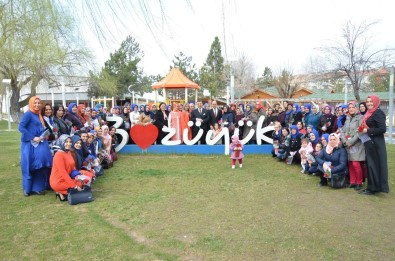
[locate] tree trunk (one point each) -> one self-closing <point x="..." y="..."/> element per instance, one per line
<point x="356" y="94"/>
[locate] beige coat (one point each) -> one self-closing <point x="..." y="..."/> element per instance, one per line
<point x="354" y="146"/>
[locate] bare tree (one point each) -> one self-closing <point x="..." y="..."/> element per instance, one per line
<point x="286" y="84"/>
<point x="244" y="75"/>
<point x="353" y="54"/>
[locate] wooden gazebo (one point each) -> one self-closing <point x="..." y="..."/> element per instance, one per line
<point x="177" y="85"/>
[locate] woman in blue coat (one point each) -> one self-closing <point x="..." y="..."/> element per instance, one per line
<point x="36" y="158"/>
<point x="337" y="158"/>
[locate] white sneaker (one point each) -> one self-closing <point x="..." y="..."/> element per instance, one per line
<point x="241" y="165"/>
<point x="233" y="166"/>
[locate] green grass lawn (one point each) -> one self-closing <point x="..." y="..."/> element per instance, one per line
<point x="186" y="207"/>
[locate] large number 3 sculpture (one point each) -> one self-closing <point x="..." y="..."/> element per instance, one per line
<point x="125" y="136"/>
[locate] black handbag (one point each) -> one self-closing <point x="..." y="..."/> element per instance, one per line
<point x="75" y="196"/>
<point x="99" y="171"/>
<point x="339" y="181"/>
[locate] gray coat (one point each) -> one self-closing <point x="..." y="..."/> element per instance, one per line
<point x="354" y="146"/>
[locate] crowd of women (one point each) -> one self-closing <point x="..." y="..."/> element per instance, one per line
<point x="62" y="150"/>
<point x="342" y="144"/>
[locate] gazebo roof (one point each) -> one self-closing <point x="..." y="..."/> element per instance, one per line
<point x="175" y="79"/>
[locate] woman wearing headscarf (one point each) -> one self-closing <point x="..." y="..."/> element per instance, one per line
<point x="341" y="118"/>
<point x="353" y="145"/>
<point x="134" y="115"/>
<point x="144" y="117"/>
<point x="332" y="162"/>
<point x="294" y="144"/>
<point x="372" y="129"/>
<point x="36" y="158"/>
<point x="296" y="115"/>
<point x="71" y="117"/>
<point x="327" y="121"/>
<point x="314" y="137"/>
<point x="251" y="116"/>
<point x="161" y="120"/>
<point x="288" y="115"/>
<point x="362" y="108"/>
<point x="227" y="118"/>
<point x="307" y="115"/>
<point x="324" y="140"/>
<point x="81" y="113"/>
<point x="106" y="140"/>
<point x="63" y="165"/>
<point x="315" y="116"/>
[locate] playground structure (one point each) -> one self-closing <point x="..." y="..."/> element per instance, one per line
<point x="175" y="87"/>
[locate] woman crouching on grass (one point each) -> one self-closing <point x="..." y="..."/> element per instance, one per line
<point x="332" y="163"/>
<point x="63" y="165"/>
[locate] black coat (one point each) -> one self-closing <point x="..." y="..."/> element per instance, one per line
<point x="159" y="123"/>
<point x="376" y="153"/>
<point x="214" y="119"/>
<point x="204" y="124"/>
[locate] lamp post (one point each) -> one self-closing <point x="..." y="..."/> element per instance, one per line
<point x="76" y="92"/>
<point x="131" y="92"/>
<point x="346" y="83"/>
<point x="8" y="98"/>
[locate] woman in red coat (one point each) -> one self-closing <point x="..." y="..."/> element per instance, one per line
<point x="63" y="165"/>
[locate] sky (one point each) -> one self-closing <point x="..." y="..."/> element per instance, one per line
<point x="275" y="34"/>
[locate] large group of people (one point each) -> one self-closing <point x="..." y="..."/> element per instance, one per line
<point x="64" y="148"/>
<point x="344" y="146"/>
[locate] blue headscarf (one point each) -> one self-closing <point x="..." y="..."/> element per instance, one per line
<point x="70" y="107"/>
<point x="297" y="108"/>
<point x="308" y="106"/>
<point x="342" y="118"/>
<point x="79" y="153"/>
<point x="317" y="136"/>
<point x="133" y="106"/>
<point x="98" y="106"/>
<point x="294" y="136"/>
<point x="326" y="136"/>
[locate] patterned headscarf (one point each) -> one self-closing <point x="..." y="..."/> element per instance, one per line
<point x="62" y="140"/>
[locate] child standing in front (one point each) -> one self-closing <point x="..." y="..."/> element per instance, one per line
<point x="237" y="151"/>
<point x="305" y="150"/>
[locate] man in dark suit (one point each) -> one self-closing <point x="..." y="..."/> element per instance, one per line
<point x="215" y="114"/>
<point x="200" y="115"/>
